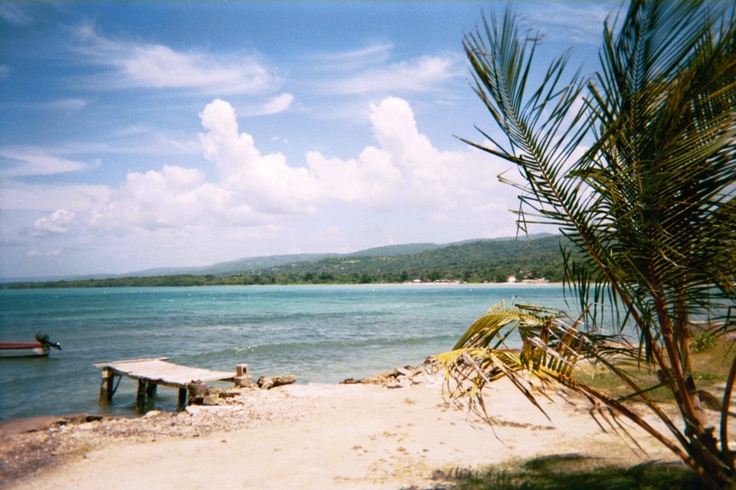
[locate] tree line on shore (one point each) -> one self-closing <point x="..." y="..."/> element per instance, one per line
<point x="478" y="261"/>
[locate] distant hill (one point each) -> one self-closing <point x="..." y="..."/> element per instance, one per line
<point x="469" y="261"/>
<point x="250" y="264"/>
<point x="474" y="261"/>
<point x="254" y="264"/>
<point x="395" y="250"/>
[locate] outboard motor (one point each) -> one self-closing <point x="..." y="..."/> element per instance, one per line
<point x="44" y="339"/>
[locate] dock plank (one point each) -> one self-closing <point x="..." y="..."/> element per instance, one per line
<point x="160" y="371"/>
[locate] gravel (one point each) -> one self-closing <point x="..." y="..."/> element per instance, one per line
<point x="27" y="447"/>
<point x="30" y="446"/>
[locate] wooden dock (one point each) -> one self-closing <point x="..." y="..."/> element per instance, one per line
<point x="191" y="382"/>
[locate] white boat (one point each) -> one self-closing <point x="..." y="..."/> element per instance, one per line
<point x="40" y="348"/>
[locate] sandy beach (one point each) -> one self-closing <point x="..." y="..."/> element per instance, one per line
<point x="316" y="436"/>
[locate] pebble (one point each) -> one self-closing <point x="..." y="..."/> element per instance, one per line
<point x="239" y="408"/>
<point x="228" y="409"/>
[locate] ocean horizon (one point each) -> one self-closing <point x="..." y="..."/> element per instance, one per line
<point x="320" y="334"/>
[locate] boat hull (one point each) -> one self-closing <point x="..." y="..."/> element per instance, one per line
<point x="23" y="349"/>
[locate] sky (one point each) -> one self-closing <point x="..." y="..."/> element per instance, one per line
<point x="137" y="135"/>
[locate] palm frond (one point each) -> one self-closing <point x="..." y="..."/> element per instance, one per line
<point x="649" y="206"/>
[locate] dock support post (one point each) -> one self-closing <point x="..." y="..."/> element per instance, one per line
<point x="106" y="386"/>
<point x="182" y="398"/>
<point x="197" y="391"/>
<point x="151" y="390"/>
<point x="242" y="378"/>
<point x="140" y="400"/>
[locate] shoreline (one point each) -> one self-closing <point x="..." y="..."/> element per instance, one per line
<point x="312" y="436"/>
<point x="44" y="285"/>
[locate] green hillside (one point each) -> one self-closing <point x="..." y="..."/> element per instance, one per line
<point x="477" y="261"/>
<point x="471" y="261"/>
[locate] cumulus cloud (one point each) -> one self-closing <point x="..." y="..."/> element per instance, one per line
<point x="143" y="65"/>
<point x="265" y="181"/>
<point x="58" y="222"/>
<point x="403" y="172"/>
<point x="405" y="169"/>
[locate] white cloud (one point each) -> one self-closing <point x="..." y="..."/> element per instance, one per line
<point x="404" y="171"/>
<point x="17" y="196"/>
<point x="67" y="105"/>
<point x="58" y="222"/>
<point x="357" y="59"/>
<point x="278" y="104"/>
<point x="5" y="71"/>
<point x="32" y="162"/>
<point x="260" y="197"/>
<point x="571" y="23"/>
<point x="175" y="197"/>
<point x="142" y="65"/>
<point x="51" y="253"/>
<point x="15" y="13"/>
<point x="274" y="105"/>
<point x="420" y="75"/>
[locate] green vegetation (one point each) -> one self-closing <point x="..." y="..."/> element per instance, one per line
<point x="580" y="472"/>
<point x="648" y="208"/>
<point x="474" y="262"/>
<point x="574" y="472"/>
<point x="709" y="367"/>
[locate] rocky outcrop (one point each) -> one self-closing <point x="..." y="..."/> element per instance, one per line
<point x="398" y="378"/>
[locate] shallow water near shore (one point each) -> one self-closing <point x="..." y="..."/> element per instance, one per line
<point x="317" y="333"/>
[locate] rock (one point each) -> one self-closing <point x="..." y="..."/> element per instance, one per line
<point x="400" y="377"/>
<point x="380" y="379"/>
<point x="211" y="400"/>
<point x="268" y="383"/>
<point x="229" y="393"/>
<point x="196" y="390"/>
<point x="403" y="372"/>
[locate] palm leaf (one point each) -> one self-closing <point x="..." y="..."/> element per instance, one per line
<point x="649" y="206"/>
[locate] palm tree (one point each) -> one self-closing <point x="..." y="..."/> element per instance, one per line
<point x="648" y="206"/>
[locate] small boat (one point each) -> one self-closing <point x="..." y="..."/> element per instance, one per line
<point x="39" y="348"/>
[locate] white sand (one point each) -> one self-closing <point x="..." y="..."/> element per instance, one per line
<point x="353" y="436"/>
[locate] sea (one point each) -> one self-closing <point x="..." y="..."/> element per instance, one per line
<point x="320" y="334"/>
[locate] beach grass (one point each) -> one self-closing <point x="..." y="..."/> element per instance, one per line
<point x="571" y="472"/>
<point x="710" y="369"/>
<point x="577" y="472"/>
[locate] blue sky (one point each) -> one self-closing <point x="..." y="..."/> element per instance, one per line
<point x="157" y="134"/>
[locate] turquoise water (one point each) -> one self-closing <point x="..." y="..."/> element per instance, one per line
<point x="317" y="333"/>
